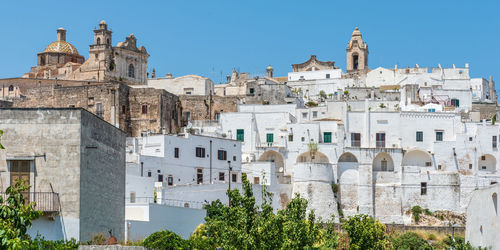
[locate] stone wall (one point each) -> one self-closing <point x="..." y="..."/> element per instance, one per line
<point x="102" y="178"/>
<point x="205" y="107"/>
<point x="114" y="102"/>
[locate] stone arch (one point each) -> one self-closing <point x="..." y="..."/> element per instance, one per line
<point x="11" y="88"/>
<point x="98" y="41"/>
<point x="383" y="162"/>
<point x="418" y="158"/>
<point x="273" y="156"/>
<point x="348" y="175"/>
<point x="487" y="162"/>
<point x="316" y="157"/>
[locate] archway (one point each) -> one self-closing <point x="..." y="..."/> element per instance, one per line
<point x="273" y="156"/>
<point x="316" y="157"/>
<point x="417" y="158"/>
<point x="487" y="162"/>
<point x="347" y="168"/>
<point x="383" y="162"/>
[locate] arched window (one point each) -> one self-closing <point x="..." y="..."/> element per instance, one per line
<point x="98" y="40"/>
<point x="131" y="71"/>
<point x="107" y="41"/>
<point x="355" y="61"/>
<point x="11" y="88"/>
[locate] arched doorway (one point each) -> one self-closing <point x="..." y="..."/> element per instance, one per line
<point x="383" y="162"/>
<point x="487" y="162"/>
<point x="417" y="158"/>
<point x="347" y="168"/>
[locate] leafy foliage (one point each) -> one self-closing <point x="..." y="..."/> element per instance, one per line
<point x="311" y="104"/>
<point x="365" y="232"/>
<point x="165" y="240"/>
<point x="416" y="211"/>
<point x="16" y="217"/>
<point x="410" y="240"/>
<point x="245" y="225"/>
<point x="1" y="133"/>
<point x="40" y="243"/>
<point x="322" y="94"/>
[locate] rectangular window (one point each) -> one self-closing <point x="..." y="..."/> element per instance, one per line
<point x="98" y="109"/>
<point x="304" y="115"/>
<point x="221" y="176"/>
<point x="439" y="135"/>
<point x="222" y="155"/>
<point x="170" y="180"/>
<point x="188" y="91"/>
<point x="428" y="164"/>
<point x="144" y="109"/>
<point x="160" y="178"/>
<point x="290" y="137"/>
<point x="455" y="102"/>
<point x="90" y="102"/>
<point x="251" y="90"/>
<point x="423" y="188"/>
<point x="420" y="136"/>
<point x="240" y="135"/>
<point x="200" y="152"/>
<point x="217" y="116"/>
<point x="494" y="141"/>
<point x="327" y="76"/>
<point x="234" y="157"/>
<point x="187" y="116"/>
<point x="470" y="166"/>
<point x="380" y="140"/>
<point x="327" y="137"/>
<point x="269" y="138"/>
<point x="355" y="140"/>
<point x="149" y="173"/>
<point x="234" y="177"/>
<point x="124" y="109"/>
<point x="315" y="114"/>
<point x="176" y="152"/>
<point x="256" y="180"/>
<point x="199" y="176"/>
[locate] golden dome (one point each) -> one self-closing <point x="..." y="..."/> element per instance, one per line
<point x="269" y="67"/>
<point x="61" y="47"/>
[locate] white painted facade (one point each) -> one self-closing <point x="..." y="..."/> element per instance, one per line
<point x="483" y="220"/>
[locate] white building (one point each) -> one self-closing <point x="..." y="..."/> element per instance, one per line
<point x="482" y="228"/>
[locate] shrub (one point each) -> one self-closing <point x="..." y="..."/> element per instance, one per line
<point x="40" y="243"/>
<point x="428" y="212"/>
<point x="416" y="211"/>
<point x="431" y="236"/>
<point x="459" y="243"/>
<point x="165" y="240"/>
<point x="322" y="94"/>
<point x="335" y="188"/>
<point x="311" y="104"/>
<point x="410" y="240"/>
<point x="365" y="232"/>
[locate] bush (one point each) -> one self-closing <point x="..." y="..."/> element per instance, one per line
<point x="410" y="240"/>
<point x="335" y="188"/>
<point x="311" y="104"/>
<point x="365" y="232"/>
<point x="459" y="243"/>
<point x="431" y="237"/>
<point x="416" y="211"/>
<point x="165" y="240"/>
<point x="428" y="212"/>
<point x="40" y="243"/>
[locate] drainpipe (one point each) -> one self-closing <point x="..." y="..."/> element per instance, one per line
<point x="211" y="180"/>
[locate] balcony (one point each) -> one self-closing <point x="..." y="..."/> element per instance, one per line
<point x="46" y="202"/>
<point x="355" y="143"/>
<point x="380" y="144"/>
<point x="270" y="145"/>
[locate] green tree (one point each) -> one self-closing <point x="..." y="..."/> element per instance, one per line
<point x="365" y="233"/>
<point x="245" y="225"/>
<point x="165" y="240"/>
<point x="15" y="217"/>
<point x="322" y="94"/>
<point x="410" y="241"/>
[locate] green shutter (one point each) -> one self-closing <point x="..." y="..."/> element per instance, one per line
<point x="240" y="135"/>
<point x="327" y="137"/>
<point x="270" y="138"/>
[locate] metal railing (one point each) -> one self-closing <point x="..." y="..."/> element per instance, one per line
<point x="167" y="202"/>
<point x="44" y="201"/>
<point x="355" y="143"/>
<point x="380" y="144"/>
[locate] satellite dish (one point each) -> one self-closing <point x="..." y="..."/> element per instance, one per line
<point x="281" y="169"/>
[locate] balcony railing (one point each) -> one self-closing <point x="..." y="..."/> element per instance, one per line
<point x="44" y="201"/>
<point x="270" y="145"/>
<point x="168" y="202"/>
<point x="355" y="143"/>
<point x="380" y="144"/>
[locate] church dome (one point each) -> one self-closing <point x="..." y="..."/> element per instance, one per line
<point x="61" y="47"/>
<point x="269" y="67"/>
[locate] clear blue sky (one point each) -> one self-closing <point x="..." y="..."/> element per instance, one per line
<point x="213" y="37"/>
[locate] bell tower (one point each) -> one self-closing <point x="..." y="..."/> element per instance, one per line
<point x="357" y="54"/>
<point x="102" y="36"/>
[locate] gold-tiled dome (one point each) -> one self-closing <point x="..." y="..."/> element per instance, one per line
<point x="61" y="47"/>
